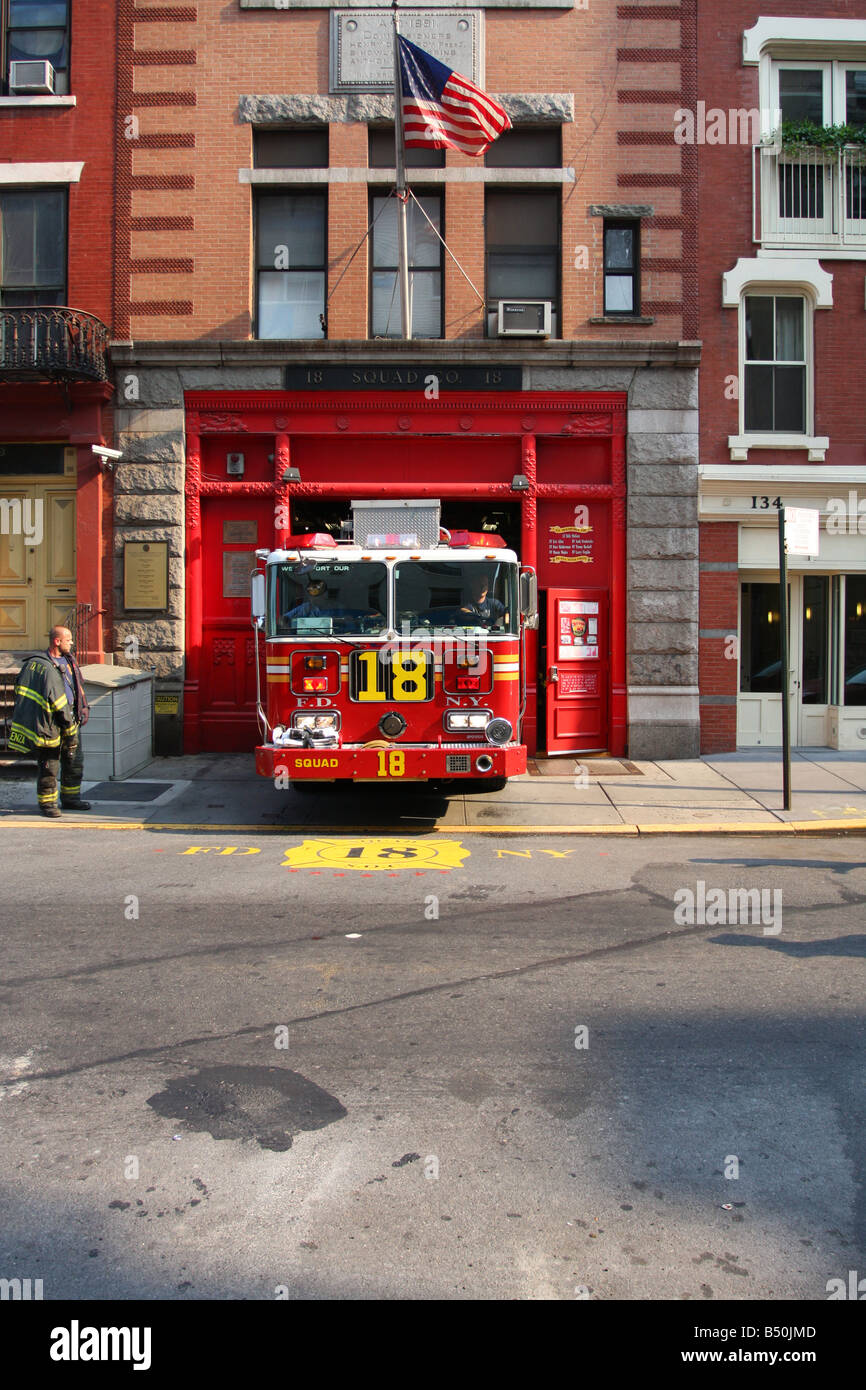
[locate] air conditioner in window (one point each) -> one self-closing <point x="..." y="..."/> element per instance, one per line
<point x="31" y="78"/>
<point x="524" y="318"/>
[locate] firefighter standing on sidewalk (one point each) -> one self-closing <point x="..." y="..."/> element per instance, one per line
<point x="50" y="708"/>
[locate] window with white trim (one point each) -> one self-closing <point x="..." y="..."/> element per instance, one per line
<point x="775" y="371"/>
<point x="424" y="220"/>
<point x="291" y="252"/>
<point x="36" y="31"/>
<point x="814" y="185"/>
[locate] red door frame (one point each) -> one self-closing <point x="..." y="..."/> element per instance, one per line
<point x="74" y="416"/>
<point x="518" y="415"/>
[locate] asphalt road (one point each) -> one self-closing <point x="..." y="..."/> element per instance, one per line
<point x="484" y="1067"/>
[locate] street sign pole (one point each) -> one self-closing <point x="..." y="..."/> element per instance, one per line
<point x="783" y="638"/>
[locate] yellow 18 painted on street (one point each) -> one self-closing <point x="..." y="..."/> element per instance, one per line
<point x="376" y="855"/>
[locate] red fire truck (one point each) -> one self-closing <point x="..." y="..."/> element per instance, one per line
<point x="393" y="652"/>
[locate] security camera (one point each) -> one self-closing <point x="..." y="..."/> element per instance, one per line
<point x="105" y="453"/>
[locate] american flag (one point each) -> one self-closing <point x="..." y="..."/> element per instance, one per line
<point x="442" y="108"/>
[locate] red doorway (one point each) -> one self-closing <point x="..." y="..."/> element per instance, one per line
<point x="549" y="466"/>
<point x="232" y="528"/>
<point x="578" y="664"/>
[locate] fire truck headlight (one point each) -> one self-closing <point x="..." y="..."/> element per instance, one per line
<point x="499" y="731"/>
<point x="316" y="723"/>
<point x="462" y="720"/>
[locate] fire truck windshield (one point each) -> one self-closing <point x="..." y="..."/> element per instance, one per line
<point x="321" y="598"/>
<point x="456" y="594"/>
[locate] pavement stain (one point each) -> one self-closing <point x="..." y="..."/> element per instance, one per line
<point x="267" y="1104"/>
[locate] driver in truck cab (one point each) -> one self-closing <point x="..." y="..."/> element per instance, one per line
<point x="484" y="610"/>
<point x="317" y="603"/>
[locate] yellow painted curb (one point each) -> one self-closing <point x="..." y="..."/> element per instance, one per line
<point x="758" y="827"/>
<point x="816" y="827"/>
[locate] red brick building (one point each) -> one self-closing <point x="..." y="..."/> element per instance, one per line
<point x="57" y="163"/>
<point x="257" y="327"/>
<point x="782" y="254"/>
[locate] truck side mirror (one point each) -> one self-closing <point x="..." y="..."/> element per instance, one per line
<point x="257" y="597"/>
<point x="529" y="597"/>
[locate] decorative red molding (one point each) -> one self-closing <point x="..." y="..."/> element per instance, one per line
<point x="650" y="180"/>
<point x="648" y="12"/>
<point x="164" y="57"/>
<point x="173" y="14"/>
<point x="652" y="96"/>
<point x="163" y="224"/>
<point x="162" y="181"/>
<point x="648" y="55"/>
<point x="645" y="137"/>
<point x="155" y="265"/>
<point x="174" y="308"/>
<point x="179" y="140"/>
<point x="164" y="98"/>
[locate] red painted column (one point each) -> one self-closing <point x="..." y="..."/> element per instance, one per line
<point x="89" y="550"/>
<point x="529" y="556"/>
<point x="282" y="459"/>
<point x="618" y="592"/>
<point x="192" y="687"/>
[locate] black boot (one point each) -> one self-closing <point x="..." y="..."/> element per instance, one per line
<point x="50" y="811"/>
<point x="76" y="805"/>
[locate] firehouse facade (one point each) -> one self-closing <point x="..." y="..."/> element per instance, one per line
<point x="548" y="393"/>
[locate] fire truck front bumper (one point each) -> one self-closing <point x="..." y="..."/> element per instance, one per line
<point x="391" y="763"/>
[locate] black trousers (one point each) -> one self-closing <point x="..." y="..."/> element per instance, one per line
<point x="67" y="762"/>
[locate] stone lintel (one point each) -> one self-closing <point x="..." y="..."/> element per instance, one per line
<point x="314" y="108"/>
<point x="621" y="210"/>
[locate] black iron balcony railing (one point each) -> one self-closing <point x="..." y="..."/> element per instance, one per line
<point x="45" y="342"/>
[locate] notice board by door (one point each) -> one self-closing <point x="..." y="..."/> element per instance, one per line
<point x="578" y="670"/>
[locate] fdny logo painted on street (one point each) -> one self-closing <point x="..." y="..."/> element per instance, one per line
<point x="376" y="855"/>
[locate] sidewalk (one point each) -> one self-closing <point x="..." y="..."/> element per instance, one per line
<point x="734" y="793"/>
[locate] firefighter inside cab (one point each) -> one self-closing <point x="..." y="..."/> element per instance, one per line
<point x="398" y="647"/>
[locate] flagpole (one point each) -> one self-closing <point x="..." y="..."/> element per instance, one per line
<point x="402" y="188"/>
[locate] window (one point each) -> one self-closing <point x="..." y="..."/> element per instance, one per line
<point x="39" y="30"/>
<point x="760" y="644"/>
<point x="817" y="194"/>
<point x="775" y="388"/>
<point x="822" y="93"/>
<point x="291" y="149"/>
<point x="621" y="267"/>
<point x="425" y="269"/>
<point x="855" y="639"/>
<point x="290" y="265"/>
<point x="380" y="152"/>
<point x="32" y="247"/>
<point x="522" y="236"/>
<point x="528" y="147"/>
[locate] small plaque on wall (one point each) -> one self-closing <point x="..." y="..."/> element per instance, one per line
<point x="145" y="576"/>
<point x="238" y="565"/>
<point x="240" y="533"/>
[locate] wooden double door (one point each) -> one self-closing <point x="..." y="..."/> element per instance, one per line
<point x="37" y="558"/>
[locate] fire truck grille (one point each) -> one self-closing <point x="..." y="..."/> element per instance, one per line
<point x="457" y="762"/>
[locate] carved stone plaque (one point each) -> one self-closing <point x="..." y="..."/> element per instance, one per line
<point x="362" y="45"/>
